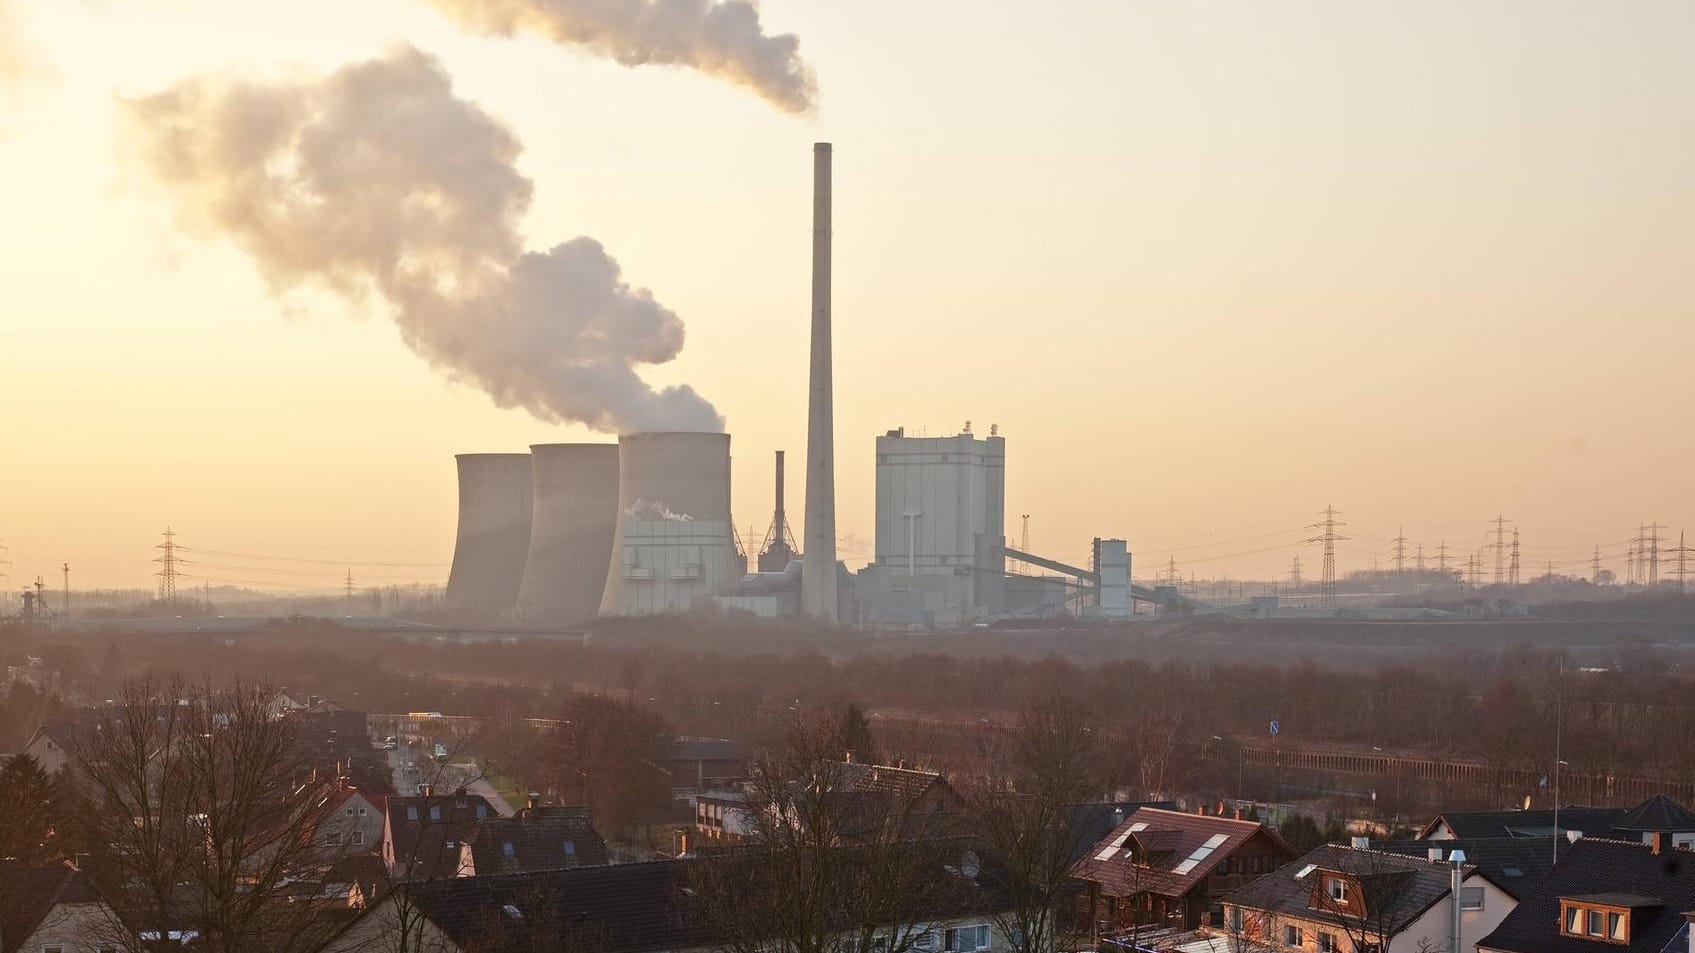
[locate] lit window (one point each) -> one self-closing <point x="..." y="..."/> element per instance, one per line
<point x="1471" y="898"/>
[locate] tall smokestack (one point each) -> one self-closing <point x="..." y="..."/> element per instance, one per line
<point x="818" y="568"/>
<point x="779" y="519"/>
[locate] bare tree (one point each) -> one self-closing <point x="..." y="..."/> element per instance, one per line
<point x="829" y="867"/>
<point x="1367" y="893"/>
<point x="1025" y="818"/>
<point x="202" y="818"/>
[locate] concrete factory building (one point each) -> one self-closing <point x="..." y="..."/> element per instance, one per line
<point x="941" y="530"/>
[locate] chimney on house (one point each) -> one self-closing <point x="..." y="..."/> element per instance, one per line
<point x="535" y="799"/>
<point x="1659" y="843"/>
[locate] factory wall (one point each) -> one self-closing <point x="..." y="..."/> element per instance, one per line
<point x="1112" y="562"/>
<point x="493" y="539"/>
<point x="666" y="481"/>
<point x="576" y="517"/>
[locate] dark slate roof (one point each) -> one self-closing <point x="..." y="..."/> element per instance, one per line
<point x="429" y="846"/>
<point x="1090" y="823"/>
<point x="1515" y="864"/>
<point x="537" y="841"/>
<point x="618" y="908"/>
<point x="1596" y="865"/>
<point x="1468" y="824"/>
<point x="28" y="894"/>
<point x="906" y="783"/>
<point x="1658" y="813"/>
<point x="1180" y="837"/>
<point x="1402" y="887"/>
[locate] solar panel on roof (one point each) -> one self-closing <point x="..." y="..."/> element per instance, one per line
<point x="1306" y="870"/>
<point x="1185" y="866"/>
<point x="1112" y="848"/>
<point x="1216" y="840"/>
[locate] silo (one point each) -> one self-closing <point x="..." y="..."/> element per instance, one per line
<point x="494" y="532"/>
<point x="672" y="545"/>
<point x="576" y="515"/>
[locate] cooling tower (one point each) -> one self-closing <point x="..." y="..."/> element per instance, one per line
<point x="672" y="544"/>
<point x="576" y="515"/>
<point x="494" y="532"/>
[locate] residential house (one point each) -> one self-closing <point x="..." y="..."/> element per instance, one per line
<point x="1170" y="869"/>
<point x="648" y="907"/>
<point x="917" y="803"/>
<point x="722" y="818"/>
<point x="539" y="838"/>
<point x="1089" y="824"/>
<point x="350" y="822"/>
<point x="1657" y="815"/>
<point x="47" y="745"/>
<point x="1605" y="895"/>
<point x="54" y="910"/>
<point x="1358" y="900"/>
<point x="422" y="836"/>
<point x="1515" y="864"/>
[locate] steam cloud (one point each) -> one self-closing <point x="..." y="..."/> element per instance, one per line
<point x="378" y="181"/>
<point x="722" y="38"/>
<point x="13" y="62"/>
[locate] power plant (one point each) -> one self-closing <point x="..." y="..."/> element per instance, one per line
<point x="643" y="527"/>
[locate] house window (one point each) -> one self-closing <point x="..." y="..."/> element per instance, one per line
<point x="435" y="812"/>
<point x="361" y="812"/>
<point x="1596" y="923"/>
<point x="507" y="849"/>
<point x="1291" y="936"/>
<point x="358" y="838"/>
<point x="1471" y="898"/>
<point x="411" y="812"/>
<point x="52" y="949"/>
<point x="51" y="746"/>
<point x="350" y="812"/>
<point x="968" y="939"/>
<point x="924" y="942"/>
<point x="1236" y="918"/>
<point x="1338" y="889"/>
<point x="1327" y="943"/>
<point x="482" y="811"/>
<point x="570" y="848"/>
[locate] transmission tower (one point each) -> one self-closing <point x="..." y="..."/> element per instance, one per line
<point x="1512" y="569"/>
<point x="1500" y="544"/>
<point x="1295" y="579"/>
<point x="347" y="586"/>
<point x="1024" y="537"/>
<point x="1400" y="542"/>
<point x="1171" y="577"/>
<point x="1442" y="557"/>
<point x="1595" y="567"/>
<point x="1654" y="541"/>
<point x="1680" y="562"/>
<point x="167" y="560"/>
<point x="1418" y="561"/>
<point x="1329" y="537"/>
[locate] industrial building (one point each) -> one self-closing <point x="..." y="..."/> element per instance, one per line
<point x="571" y="531"/>
<point x="940" y="531"/>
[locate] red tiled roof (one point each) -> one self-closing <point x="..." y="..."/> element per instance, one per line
<point x="1180" y="856"/>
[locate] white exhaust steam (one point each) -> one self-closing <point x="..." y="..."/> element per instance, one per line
<point x="722" y="38"/>
<point x="377" y="181"/>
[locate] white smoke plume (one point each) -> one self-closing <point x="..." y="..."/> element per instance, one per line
<point x="14" y="60"/>
<point x="379" y="183"/>
<point x="722" y="38"/>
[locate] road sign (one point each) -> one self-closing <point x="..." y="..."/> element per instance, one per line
<point x="1274" y="727"/>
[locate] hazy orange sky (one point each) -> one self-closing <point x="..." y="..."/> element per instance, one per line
<point x="1209" y="266"/>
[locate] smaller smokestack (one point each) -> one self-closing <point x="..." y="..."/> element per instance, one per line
<point x="781" y="519"/>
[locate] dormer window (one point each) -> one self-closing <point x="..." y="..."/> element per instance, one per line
<point x="1337" y="888"/>
<point x="1603" y="917"/>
